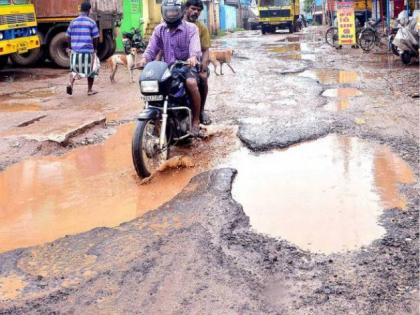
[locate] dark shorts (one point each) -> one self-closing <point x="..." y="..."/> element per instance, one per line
<point x="194" y="74"/>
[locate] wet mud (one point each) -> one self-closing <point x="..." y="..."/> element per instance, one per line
<point x="204" y="235"/>
<point x="282" y="132"/>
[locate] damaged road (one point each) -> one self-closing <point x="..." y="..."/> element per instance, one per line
<point x="197" y="254"/>
<point x="203" y="252"/>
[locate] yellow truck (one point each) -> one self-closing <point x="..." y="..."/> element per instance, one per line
<point x="278" y="14"/>
<point x="18" y="28"/>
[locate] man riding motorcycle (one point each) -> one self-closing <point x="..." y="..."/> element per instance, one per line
<point x="193" y="9"/>
<point x="177" y="39"/>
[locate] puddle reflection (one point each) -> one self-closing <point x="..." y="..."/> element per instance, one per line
<point x="328" y="76"/>
<point x="325" y="196"/>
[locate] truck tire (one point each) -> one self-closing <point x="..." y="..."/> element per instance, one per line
<point x="106" y="48"/>
<point x="31" y="57"/>
<point x="3" y="61"/>
<point x="291" y="29"/>
<point x="57" y="50"/>
<point x="113" y="48"/>
<point x="263" y="30"/>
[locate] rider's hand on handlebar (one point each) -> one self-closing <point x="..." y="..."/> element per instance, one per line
<point x="142" y="62"/>
<point x="192" y="62"/>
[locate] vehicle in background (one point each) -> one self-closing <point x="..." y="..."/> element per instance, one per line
<point x="278" y="14"/>
<point x="407" y="38"/>
<point x="18" y="29"/>
<point x="54" y="18"/>
<point x="133" y="39"/>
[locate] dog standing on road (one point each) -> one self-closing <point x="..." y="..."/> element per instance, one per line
<point x="128" y="61"/>
<point x="221" y="56"/>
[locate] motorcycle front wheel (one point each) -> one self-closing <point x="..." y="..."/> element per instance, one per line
<point x="145" y="151"/>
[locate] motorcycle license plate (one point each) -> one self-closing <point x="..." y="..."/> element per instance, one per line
<point x="153" y="98"/>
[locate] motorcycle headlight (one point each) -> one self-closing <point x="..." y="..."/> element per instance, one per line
<point x="1" y="35"/>
<point x="166" y="75"/>
<point x="34" y="30"/>
<point x="149" y="86"/>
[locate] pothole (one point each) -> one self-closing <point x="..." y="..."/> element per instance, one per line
<point x="324" y="196"/>
<point x="329" y="76"/>
<point x="295" y="51"/>
<point x="342" y="93"/>
<point x="47" y="198"/>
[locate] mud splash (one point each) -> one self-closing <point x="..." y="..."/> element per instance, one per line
<point x="328" y="76"/>
<point x="44" y="199"/>
<point x="324" y="196"/>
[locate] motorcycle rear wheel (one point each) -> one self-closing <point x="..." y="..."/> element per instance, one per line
<point x="147" y="157"/>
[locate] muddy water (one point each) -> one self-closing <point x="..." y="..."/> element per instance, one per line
<point x="328" y="76"/>
<point x="47" y="198"/>
<point x="295" y="51"/>
<point x="324" y="196"/>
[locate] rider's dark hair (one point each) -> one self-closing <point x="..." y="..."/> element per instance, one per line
<point x="85" y="6"/>
<point x="196" y="3"/>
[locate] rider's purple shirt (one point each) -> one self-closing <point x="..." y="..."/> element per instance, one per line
<point x="179" y="44"/>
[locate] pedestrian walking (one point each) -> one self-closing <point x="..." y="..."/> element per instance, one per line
<point x="83" y="37"/>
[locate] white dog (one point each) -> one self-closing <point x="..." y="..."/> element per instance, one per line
<point x="128" y="61"/>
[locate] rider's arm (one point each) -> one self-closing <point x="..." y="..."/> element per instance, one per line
<point x="153" y="48"/>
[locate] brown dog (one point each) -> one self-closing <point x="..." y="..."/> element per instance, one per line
<point x="128" y="61"/>
<point x="221" y="56"/>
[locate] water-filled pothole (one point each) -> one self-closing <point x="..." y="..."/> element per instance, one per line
<point x="324" y="196"/>
<point x="342" y="93"/>
<point x="331" y="76"/>
<point x="46" y="198"/>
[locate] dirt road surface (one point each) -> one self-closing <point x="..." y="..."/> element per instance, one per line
<point x="303" y="201"/>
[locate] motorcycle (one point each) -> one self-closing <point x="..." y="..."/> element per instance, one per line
<point x="407" y="39"/>
<point x="166" y="118"/>
<point x="133" y="39"/>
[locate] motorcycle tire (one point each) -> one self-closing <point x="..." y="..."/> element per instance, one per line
<point x="406" y="57"/>
<point x="367" y="39"/>
<point x="138" y="148"/>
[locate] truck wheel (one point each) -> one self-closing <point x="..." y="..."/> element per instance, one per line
<point x="105" y="49"/>
<point x="57" y="50"/>
<point x="291" y="29"/>
<point x="31" y="57"/>
<point x="3" y="61"/>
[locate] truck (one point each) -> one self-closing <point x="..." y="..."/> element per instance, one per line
<point x="18" y="29"/>
<point x="278" y="14"/>
<point x="54" y="18"/>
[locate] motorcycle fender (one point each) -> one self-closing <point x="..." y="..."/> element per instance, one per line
<point x="150" y="113"/>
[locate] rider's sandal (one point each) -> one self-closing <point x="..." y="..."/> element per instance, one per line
<point x="205" y="119"/>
